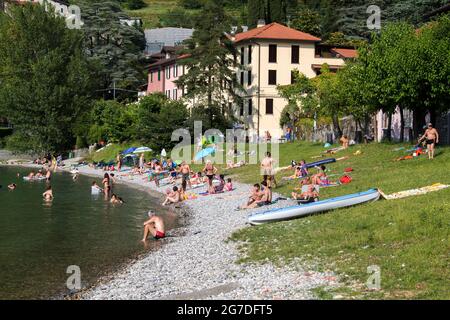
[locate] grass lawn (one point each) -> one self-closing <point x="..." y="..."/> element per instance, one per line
<point x="155" y="8"/>
<point x="408" y="239"/>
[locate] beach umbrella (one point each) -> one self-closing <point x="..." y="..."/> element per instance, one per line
<point x="203" y="153"/>
<point x="129" y="150"/>
<point x="142" y="150"/>
<point x="163" y="153"/>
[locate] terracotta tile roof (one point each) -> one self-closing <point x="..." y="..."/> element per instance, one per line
<point x="345" y="53"/>
<point x="275" y="31"/>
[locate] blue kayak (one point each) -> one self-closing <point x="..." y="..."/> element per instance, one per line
<point x="314" y="207"/>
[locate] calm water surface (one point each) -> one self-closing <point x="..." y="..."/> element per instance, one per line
<point x="39" y="240"/>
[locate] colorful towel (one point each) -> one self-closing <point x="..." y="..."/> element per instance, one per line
<point x="414" y="192"/>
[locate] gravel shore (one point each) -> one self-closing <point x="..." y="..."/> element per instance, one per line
<point x="197" y="261"/>
<point x="201" y="264"/>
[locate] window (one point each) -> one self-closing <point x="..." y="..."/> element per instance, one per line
<point x="242" y="78"/>
<point x="250" y="107"/>
<point x="292" y="76"/>
<point x="168" y="94"/>
<point x="272" y="77"/>
<point x="249" y="54"/>
<point x="151" y="77"/>
<point x="249" y="77"/>
<point x="242" y="55"/>
<point x="175" y="94"/>
<point x="272" y="53"/>
<point x="168" y="73"/>
<point x="159" y="75"/>
<point x="269" y="106"/>
<point x="295" y="54"/>
<point x="241" y="109"/>
<point x="175" y="71"/>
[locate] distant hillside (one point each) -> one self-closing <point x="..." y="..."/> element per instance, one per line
<point x="347" y="16"/>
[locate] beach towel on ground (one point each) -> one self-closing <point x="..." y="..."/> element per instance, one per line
<point x="413" y="192"/>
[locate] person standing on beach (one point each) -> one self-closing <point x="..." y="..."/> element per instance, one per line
<point x="154" y="226"/>
<point x="119" y="162"/>
<point x="431" y="137"/>
<point x="185" y="171"/>
<point x="267" y="169"/>
<point x="141" y="162"/>
<point x="210" y="170"/>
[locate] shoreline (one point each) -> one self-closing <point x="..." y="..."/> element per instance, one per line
<point x="200" y="262"/>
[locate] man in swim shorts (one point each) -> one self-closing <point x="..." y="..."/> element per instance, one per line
<point x="185" y="171"/>
<point x="155" y="226"/>
<point x="267" y="169"/>
<point x="431" y="137"/>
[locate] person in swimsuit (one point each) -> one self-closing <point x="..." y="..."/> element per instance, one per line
<point x="116" y="200"/>
<point x="267" y="169"/>
<point x="119" y="162"/>
<point x="210" y="170"/>
<point x="48" y="194"/>
<point x="106" y="183"/>
<point x="185" y="171"/>
<point x="154" y="226"/>
<point x="172" y="197"/>
<point x="431" y="137"/>
<point x="12" y="186"/>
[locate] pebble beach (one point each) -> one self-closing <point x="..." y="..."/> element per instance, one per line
<point x="199" y="263"/>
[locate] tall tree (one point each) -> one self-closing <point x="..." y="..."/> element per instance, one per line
<point x="256" y="11"/>
<point x="210" y="78"/>
<point x="115" y="47"/>
<point x="308" y="21"/>
<point x="45" y="80"/>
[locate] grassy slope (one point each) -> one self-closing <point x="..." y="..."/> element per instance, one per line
<point x="150" y="14"/>
<point x="408" y="239"/>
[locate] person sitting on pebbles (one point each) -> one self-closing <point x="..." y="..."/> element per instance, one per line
<point x="260" y="198"/>
<point x="155" y="226"/>
<point x="308" y="195"/>
<point x="172" y="196"/>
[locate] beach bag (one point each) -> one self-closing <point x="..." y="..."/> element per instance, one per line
<point x="345" y="179"/>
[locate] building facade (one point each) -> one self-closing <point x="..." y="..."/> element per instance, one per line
<point x="164" y="72"/>
<point x="269" y="54"/>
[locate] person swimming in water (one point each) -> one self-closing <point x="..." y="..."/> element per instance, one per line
<point x="116" y="199"/>
<point x="48" y="194"/>
<point x="12" y="186"/>
<point x="155" y="226"/>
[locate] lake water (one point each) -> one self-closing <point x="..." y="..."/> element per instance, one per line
<point x="38" y="240"/>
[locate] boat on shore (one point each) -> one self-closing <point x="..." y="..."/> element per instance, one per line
<point x="298" y="211"/>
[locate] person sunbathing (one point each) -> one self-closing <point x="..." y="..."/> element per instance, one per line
<point x="221" y="185"/>
<point x="172" y="196"/>
<point x="321" y="177"/>
<point x="261" y="198"/>
<point x="308" y="194"/>
<point x="196" y="178"/>
<point x="154" y="226"/>
<point x="228" y="185"/>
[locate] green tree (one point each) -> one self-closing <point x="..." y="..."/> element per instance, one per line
<point x="308" y="21"/>
<point x="114" y="47"/>
<point x="256" y="11"/>
<point x="157" y="118"/>
<point x="210" y="78"/>
<point x="45" y="80"/>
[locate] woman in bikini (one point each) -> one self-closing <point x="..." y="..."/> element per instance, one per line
<point x="210" y="170"/>
<point x="106" y="183"/>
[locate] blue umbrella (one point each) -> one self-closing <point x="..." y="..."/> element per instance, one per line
<point x="129" y="150"/>
<point x="142" y="150"/>
<point x="205" y="152"/>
